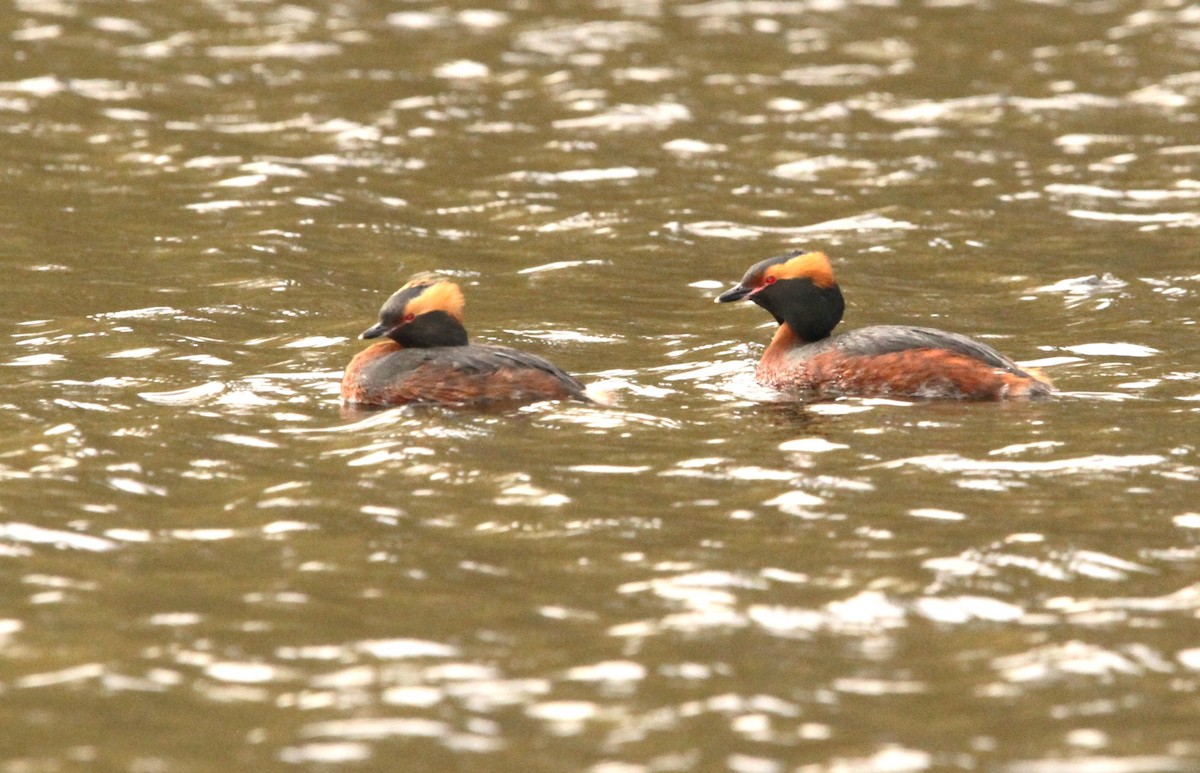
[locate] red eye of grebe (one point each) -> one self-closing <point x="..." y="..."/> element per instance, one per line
<point x="409" y="317"/>
<point x="770" y="280"/>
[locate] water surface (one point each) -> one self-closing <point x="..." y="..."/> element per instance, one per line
<point x="211" y="565"/>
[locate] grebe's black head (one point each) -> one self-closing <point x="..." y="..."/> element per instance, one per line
<point x="798" y="289"/>
<point x="427" y="311"/>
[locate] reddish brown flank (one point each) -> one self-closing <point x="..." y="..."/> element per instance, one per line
<point x="923" y="373"/>
<point x="387" y="374"/>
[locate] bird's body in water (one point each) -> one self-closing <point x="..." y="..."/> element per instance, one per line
<point x="799" y="290"/>
<point x="426" y="357"/>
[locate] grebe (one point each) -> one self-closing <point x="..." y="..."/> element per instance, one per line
<point x="426" y="358"/>
<point x="799" y="290"/>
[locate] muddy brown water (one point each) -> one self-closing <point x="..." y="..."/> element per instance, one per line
<point x="209" y="565"/>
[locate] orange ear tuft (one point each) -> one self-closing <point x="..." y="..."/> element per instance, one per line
<point x="439" y="296"/>
<point x="810" y="265"/>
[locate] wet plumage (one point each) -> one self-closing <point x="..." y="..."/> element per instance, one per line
<point x="799" y="290"/>
<point x="426" y="358"/>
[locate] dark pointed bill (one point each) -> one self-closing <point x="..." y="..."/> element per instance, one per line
<point x="374" y="331"/>
<point x="734" y="294"/>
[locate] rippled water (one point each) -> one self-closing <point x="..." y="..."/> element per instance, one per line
<point x="211" y="565"/>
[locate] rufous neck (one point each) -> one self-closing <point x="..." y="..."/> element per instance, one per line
<point x="785" y="340"/>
